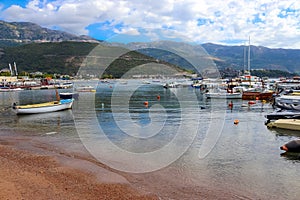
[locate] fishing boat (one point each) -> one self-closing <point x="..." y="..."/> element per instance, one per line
<point x="258" y="95"/>
<point x="289" y="124"/>
<point x="46" y="107"/>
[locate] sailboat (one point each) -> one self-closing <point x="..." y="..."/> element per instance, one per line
<point x="253" y="87"/>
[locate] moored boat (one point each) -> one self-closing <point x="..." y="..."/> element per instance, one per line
<point x="171" y="85"/>
<point x="283" y="114"/>
<point x="7" y="89"/>
<point x="223" y="95"/>
<point x="258" y="95"/>
<point x="290" y="102"/>
<point x="46" y="107"/>
<point x="292" y="146"/>
<point x="289" y="124"/>
<point x="85" y="89"/>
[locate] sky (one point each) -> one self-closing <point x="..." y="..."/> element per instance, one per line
<point x="269" y="23"/>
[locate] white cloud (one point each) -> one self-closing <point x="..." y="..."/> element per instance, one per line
<point x="271" y="23"/>
<point x="127" y="31"/>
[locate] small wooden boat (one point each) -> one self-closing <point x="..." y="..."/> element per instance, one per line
<point x="46" y="107"/>
<point x="258" y="95"/>
<point x="289" y="124"/>
<point x="292" y="146"/>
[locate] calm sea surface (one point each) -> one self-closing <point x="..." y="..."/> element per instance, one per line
<point x="244" y="157"/>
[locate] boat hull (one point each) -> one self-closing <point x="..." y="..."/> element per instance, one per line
<point x="257" y="96"/>
<point x="290" y="102"/>
<point x="289" y="124"/>
<point x="44" y="107"/>
<point x="283" y="115"/>
<point x="69" y="95"/>
<point x="223" y="95"/>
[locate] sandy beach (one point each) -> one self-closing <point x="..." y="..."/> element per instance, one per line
<point x="30" y="169"/>
<point x="34" y="167"/>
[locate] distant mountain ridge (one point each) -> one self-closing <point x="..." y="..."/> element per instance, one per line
<point x="260" y="57"/>
<point x="66" y="57"/>
<point x="17" y="33"/>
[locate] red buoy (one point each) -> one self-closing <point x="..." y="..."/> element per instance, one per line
<point x="251" y="102"/>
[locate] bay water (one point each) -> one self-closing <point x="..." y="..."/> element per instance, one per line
<point x="139" y="118"/>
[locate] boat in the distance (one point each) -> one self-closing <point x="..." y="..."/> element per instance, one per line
<point x="171" y="85"/>
<point x="46" y="107"/>
<point x="85" y="89"/>
<point x="8" y="89"/>
<point x="223" y="95"/>
<point x="258" y="95"/>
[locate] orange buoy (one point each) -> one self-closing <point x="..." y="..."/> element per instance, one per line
<point x="236" y="121"/>
<point x="146" y="103"/>
<point x="158" y="97"/>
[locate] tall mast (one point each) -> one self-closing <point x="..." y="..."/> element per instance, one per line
<point x="15" y="66"/>
<point x="10" y="69"/>
<point x="244" y="57"/>
<point x="249" y="56"/>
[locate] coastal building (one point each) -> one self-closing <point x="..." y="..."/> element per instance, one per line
<point x="7" y="79"/>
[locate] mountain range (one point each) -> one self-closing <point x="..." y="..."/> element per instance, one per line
<point x="18" y="33"/>
<point x="35" y="48"/>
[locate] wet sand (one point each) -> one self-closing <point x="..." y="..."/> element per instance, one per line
<point x="32" y="167"/>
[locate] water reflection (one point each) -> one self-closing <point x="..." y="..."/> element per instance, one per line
<point x="285" y="132"/>
<point x="291" y="156"/>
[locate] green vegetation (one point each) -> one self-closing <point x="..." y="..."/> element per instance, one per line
<point x="60" y="58"/>
<point x="67" y="58"/>
<point x="5" y="74"/>
<point x="272" y="73"/>
<point x="140" y="63"/>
